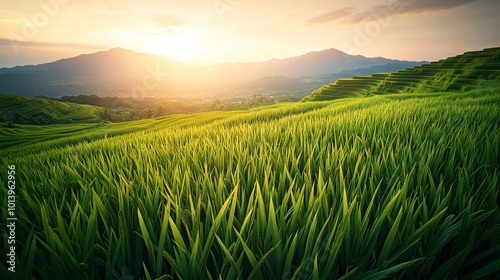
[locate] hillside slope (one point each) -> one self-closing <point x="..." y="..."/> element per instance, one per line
<point x="20" y="109"/>
<point x="398" y="186"/>
<point x="457" y="73"/>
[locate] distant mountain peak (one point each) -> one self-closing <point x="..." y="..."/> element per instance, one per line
<point x="120" y="50"/>
<point x="118" y="70"/>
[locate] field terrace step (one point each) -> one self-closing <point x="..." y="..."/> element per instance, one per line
<point x="454" y="73"/>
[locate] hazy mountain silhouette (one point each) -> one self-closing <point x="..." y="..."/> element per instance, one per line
<point x="311" y="64"/>
<point x="123" y="72"/>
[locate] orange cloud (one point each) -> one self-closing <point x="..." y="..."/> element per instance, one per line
<point x="353" y="15"/>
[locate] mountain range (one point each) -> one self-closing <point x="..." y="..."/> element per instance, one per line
<point x="121" y="72"/>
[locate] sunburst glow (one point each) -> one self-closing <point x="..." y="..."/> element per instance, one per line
<point x="175" y="47"/>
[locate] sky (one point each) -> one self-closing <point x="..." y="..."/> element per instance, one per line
<point x="202" y="32"/>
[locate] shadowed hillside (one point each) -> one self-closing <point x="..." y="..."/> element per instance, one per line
<point x="23" y="110"/>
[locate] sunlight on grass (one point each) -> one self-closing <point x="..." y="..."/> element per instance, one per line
<point x="388" y="186"/>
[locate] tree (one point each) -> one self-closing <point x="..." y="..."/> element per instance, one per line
<point x="40" y="119"/>
<point x="160" y="110"/>
<point x="149" y="113"/>
<point x="17" y="118"/>
<point x="216" y="105"/>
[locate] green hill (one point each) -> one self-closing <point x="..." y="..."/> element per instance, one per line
<point x="24" y="110"/>
<point x="396" y="186"/>
<point x="462" y="72"/>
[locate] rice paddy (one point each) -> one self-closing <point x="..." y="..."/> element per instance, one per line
<point x="391" y="186"/>
<point x="460" y="73"/>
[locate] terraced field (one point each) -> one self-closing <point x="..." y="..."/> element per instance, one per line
<point x="462" y="72"/>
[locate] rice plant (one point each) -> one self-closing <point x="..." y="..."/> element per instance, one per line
<point x="398" y="186"/>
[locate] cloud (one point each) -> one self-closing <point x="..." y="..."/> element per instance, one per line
<point x="163" y="32"/>
<point x="353" y="15"/>
<point x="35" y="44"/>
<point x="420" y="6"/>
<point x="332" y="16"/>
<point x="166" y="21"/>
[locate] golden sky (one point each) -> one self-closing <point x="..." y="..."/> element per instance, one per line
<point x="204" y="32"/>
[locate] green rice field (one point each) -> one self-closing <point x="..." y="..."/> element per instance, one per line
<point x="401" y="186"/>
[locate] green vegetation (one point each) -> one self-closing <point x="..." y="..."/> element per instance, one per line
<point x="16" y="109"/>
<point x="132" y="108"/>
<point x="399" y="186"/>
<point x="28" y="138"/>
<point x="462" y="72"/>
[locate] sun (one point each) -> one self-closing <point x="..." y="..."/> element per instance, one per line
<point x="175" y="47"/>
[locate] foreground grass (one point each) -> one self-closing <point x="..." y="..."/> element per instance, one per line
<point x="389" y="186"/>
